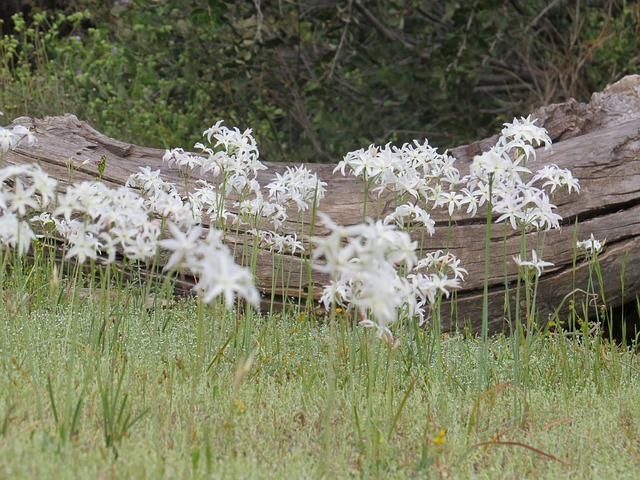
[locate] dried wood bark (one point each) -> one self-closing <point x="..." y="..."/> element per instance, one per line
<point x="599" y="142"/>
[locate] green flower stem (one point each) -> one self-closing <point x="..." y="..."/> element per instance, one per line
<point x="484" y="348"/>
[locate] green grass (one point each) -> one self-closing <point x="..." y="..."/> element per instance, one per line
<point x="312" y="399"/>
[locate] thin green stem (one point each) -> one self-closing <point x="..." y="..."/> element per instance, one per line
<point x="484" y="348"/>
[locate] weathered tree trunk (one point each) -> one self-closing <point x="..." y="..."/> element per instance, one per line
<point x="599" y="142"/>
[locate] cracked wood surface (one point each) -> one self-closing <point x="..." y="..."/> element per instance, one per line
<point x="599" y="142"/>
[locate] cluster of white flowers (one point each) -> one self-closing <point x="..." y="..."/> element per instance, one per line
<point x="97" y="223"/>
<point x="374" y="267"/>
<point x="96" y="220"/>
<point x="362" y="261"/>
<point x="413" y="171"/>
<point x="421" y="178"/>
<point x="233" y="158"/>
<point x="435" y="275"/>
<point x="162" y="198"/>
<point x="503" y="171"/>
<point x="299" y="186"/>
<point x="431" y="179"/>
<point x="515" y="197"/>
<point x="24" y="188"/>
<point x="231" y="165"/>
<point x="369" y="265"/>
<point x="275" y="242"/>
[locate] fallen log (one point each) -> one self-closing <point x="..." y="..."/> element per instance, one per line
<point x="599" y="142"/>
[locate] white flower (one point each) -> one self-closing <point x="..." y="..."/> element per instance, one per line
<point x="44" y="218"/>
<point x="365" y="163"/>
<point x="220" y="275"/>
<point x="10" y="137"/>
<point x="67" y="204"/>
<point x="182" y="159"/>
<point x="472" y="200"/>
<point x="83" y="197"/>
<point x="43" y="184"/>
<point x="338" y="291"/>
<point x="209" y="132"/>
<point x="84" y="244"/>
<point x="20" y="199"/>
<point x="442" y="264"/>
<point x="525" y="131"/>
<point x="415" y="214"/>
<point x="170" y="206"/>
<point x="428" y="287"/>
<point x="22" y="132"/>
<point x="492" y="162"/>
<point x="511" y="209"/>
<point x="407" y="180"/>
<point x="183" y="245"/>
<point x="15" y="233"/>
<point x="7" y="139"/>
<point x="145" y="179"/>
<point x="534" y="263"/>
<point x="276" y="242"/>
<point x="591" y="246"/>
<point x="556" y="177"/>
<point x="452" y="200"/>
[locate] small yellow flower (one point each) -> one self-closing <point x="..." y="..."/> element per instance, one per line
<point x="440" y="439"/>
<point x="240" y="406"/>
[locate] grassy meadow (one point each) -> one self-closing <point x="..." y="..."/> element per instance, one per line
<point x="102" y="387"/>
<point x="114" y="377"/>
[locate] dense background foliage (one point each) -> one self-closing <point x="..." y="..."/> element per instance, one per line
<point x="314" y="79"/>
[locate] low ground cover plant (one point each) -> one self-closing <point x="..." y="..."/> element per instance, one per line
<point x="97" y="378"/>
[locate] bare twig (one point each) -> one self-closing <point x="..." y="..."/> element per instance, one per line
<point x="523" y="445"/>
<point x="343" y="37"/>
